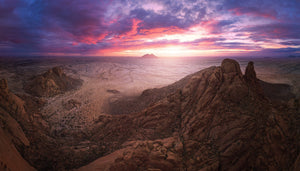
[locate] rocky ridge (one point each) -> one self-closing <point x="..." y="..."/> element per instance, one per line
<point x="215" y="119"/>
<point x="219" y="120"/>
<point x="51" y="83"/>
<point x="12" y="135"/>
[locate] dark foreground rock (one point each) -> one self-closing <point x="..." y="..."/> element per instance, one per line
<point x="12" y="135"/>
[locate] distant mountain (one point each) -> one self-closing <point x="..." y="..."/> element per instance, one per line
<point x="149" y="56"/>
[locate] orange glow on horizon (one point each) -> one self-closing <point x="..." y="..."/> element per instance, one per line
<point x="199" y="40"/>
<point x="172" y="51"/>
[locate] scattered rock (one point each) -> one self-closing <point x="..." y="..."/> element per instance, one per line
<point x="113" y="91"/>
<point x="72" y="103"/>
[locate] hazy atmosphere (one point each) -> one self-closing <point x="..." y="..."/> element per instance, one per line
<point x="148" y="85"/>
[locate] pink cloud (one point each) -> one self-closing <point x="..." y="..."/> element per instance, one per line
<point x="270" y="14"/>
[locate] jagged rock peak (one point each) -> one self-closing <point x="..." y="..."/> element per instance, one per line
<point x="250" y="74"/>
<point x="56" y="70"/>
<point x="3" y="84"/>
<point x="231" y="66"/>
<point x="51" y="83"/>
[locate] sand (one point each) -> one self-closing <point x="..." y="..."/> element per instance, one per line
<point x="108" y="79"/>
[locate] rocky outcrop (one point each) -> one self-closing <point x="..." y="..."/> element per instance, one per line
<point x="11" y="103"/>
<point x="10" y="158"/>
<point x="215" y="119"/>
<point x="232" y="118"/>
<point x="3" y="84"/>
<point x="277" y="93"/>
<point x="51" y="83"/>
<point x="11" y="133"/>
<point x="231" y="66"/>
<point x="127" y="105"/>
<point x="250" y="74"/>
<point x="72" y="103"/>
<point x="218" y="120"/>
<point x="161" y="154"/>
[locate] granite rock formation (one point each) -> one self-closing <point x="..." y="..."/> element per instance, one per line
<point x="219" y="120"/>
<point x="51" y="83"/>
<point x="12" y="136"/>
<point x="250" y="74"/>
<point x="215" y="119"/>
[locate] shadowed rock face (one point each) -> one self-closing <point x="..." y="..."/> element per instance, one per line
<point x="3" y="84"/>
<point x="217" y="120"/>
<point x="250" y="74"/>
<point x="11" y="103"/>
<point x="231" y="66"/>
<point x="11" y="134"/>
<point x="52" y="83"/>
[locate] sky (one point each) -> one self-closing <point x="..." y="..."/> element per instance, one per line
<point x="167" y="28"/>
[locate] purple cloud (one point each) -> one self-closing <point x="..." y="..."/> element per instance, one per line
<point x="87" y="26"/>
<point x="274" y="31"/>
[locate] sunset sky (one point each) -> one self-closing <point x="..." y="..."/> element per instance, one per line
<point x="167" y="28"/>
